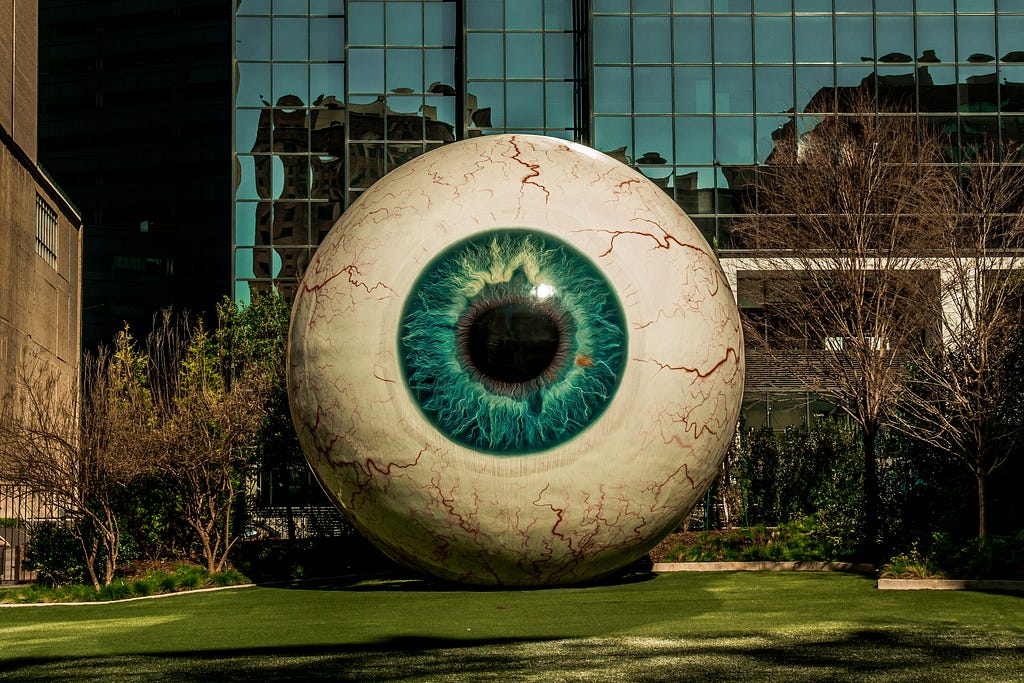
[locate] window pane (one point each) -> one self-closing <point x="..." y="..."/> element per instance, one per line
<point x="1011" y="37"/>
<point x="773" y="86"/>
<point x="291" y="39"/>
<point x="523" y="15"/>
<point x="772" y="6"/>
<point x="253" y="84"/>
<point x="814" y="39"/>
<point x="405" y="23"/>
<point x="692" y="39"/>
<point x="895" y="39"/>
<point x="768" y="129"/>
<point x="609" y="43"/>
<point x="293" y="80"/>
<point x="653" y="139"/>
<point x="366" y="23"/>
<point x="247" y="130"/>
<point x="733" y="89"/>
<point x="524" y="53"/>
<point x="490" y="109"/>
<point x="612" y="89"/>
<point x="558" y="105"/>
<point x="773" y="40"/>
<point x="734" y="140"/>
<point x="557" y="55"/>
<point x="557" y="15"/>
<point x="438" y="67"/>
<point x="736" y="49"/>
<point x="1012" y="93"/>
<point x="814" y="6"/>
<point x="485" y="14"/>
<point x="695" y="190"/>
<point x="814" y="88"/>
<point x="252" y="38"/>
<point x="897" y="84"/>
<point x="485" y="55"/>
<point x="439" y="23"/>
<point x="977" y="89"/>
<point x="405" y="70"/>
<point x="693" y="90"/>
<point x="366" y="70"/>
<point x="613" y="133"/>
<point x="854" y="39"/>
<point x="975" y="38"/>
<point x="935" y="39"/>
<point x="694" y="135"/>
<point x="853" y="5"/>
<point x="327" y="40"/>
<point x="652" y="89"/>
<point x="936" y="91"/>
<point x="651" y="40"/>
<point x="934" y="5"/>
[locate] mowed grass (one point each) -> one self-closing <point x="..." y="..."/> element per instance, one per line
<point x="737" y="626"/>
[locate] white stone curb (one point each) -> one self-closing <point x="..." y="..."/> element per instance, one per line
<point x="949" y="585"/>
<point x="763" y="567"/>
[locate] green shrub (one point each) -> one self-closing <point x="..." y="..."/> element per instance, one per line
<point x="799" y="541"/>
<point x="54" y="554"/>
<point x="912" y="564"/>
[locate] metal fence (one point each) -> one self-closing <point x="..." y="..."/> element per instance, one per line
<point x="17" y="514"/>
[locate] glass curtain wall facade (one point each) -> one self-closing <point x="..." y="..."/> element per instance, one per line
<point x="332" y="94"/>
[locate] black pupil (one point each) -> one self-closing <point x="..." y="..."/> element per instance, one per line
<point x="513" y="342"/>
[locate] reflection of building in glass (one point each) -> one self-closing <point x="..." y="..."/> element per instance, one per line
<point x="693" y="94"/>
<point x="299" y="204"/>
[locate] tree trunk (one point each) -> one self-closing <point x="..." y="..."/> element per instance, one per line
<point x="872" y="547"/>
<point x="979" y="474"/>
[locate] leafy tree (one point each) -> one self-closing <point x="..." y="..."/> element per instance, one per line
<point x="211" y="408"/>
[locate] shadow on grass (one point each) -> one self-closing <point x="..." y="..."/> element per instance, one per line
<point x="866" y="654"/>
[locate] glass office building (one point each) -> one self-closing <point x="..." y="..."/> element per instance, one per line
<point x="330" y="95"/>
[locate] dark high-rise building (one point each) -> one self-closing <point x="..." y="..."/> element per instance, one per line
<point x="135" y="121"/>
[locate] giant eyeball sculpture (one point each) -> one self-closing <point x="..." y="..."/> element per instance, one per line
<point x="515" y="361"/>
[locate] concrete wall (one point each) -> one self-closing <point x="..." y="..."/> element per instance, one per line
<point x="19" y="67"/>
<point x="39" y="304"/>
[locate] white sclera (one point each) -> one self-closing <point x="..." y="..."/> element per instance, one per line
<point x="574" y="512"/>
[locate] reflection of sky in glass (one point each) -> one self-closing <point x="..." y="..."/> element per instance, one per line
<point x="243" y="263"/>
<point x="245" y="224"/>
<point x="247" y="180"/>
<point x="246" y="128"/>
<point x="694" y="137"/>
<point x="327" y="39"/>
<point x="854" y="39"/>
<point x="291" y="39"/>
<point x="404" y="69"/>
<point x="276" y="176"/>
<point x="252" y="38"/>
<point x="975" y="35"/>
<point x="773" y="40"/>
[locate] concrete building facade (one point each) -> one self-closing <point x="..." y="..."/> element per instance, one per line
<point x="40" y="230"/>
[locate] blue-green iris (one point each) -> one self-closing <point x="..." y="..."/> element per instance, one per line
<point x="512" y="342"/>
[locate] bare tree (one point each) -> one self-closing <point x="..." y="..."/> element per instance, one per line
<point x="963" y="394"/>
<point x="835" y="239"/>
<point x="78" y="447"/>
<point x="211" y="410"/>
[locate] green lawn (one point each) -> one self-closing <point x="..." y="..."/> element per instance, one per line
<point x="739" y="626"/>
